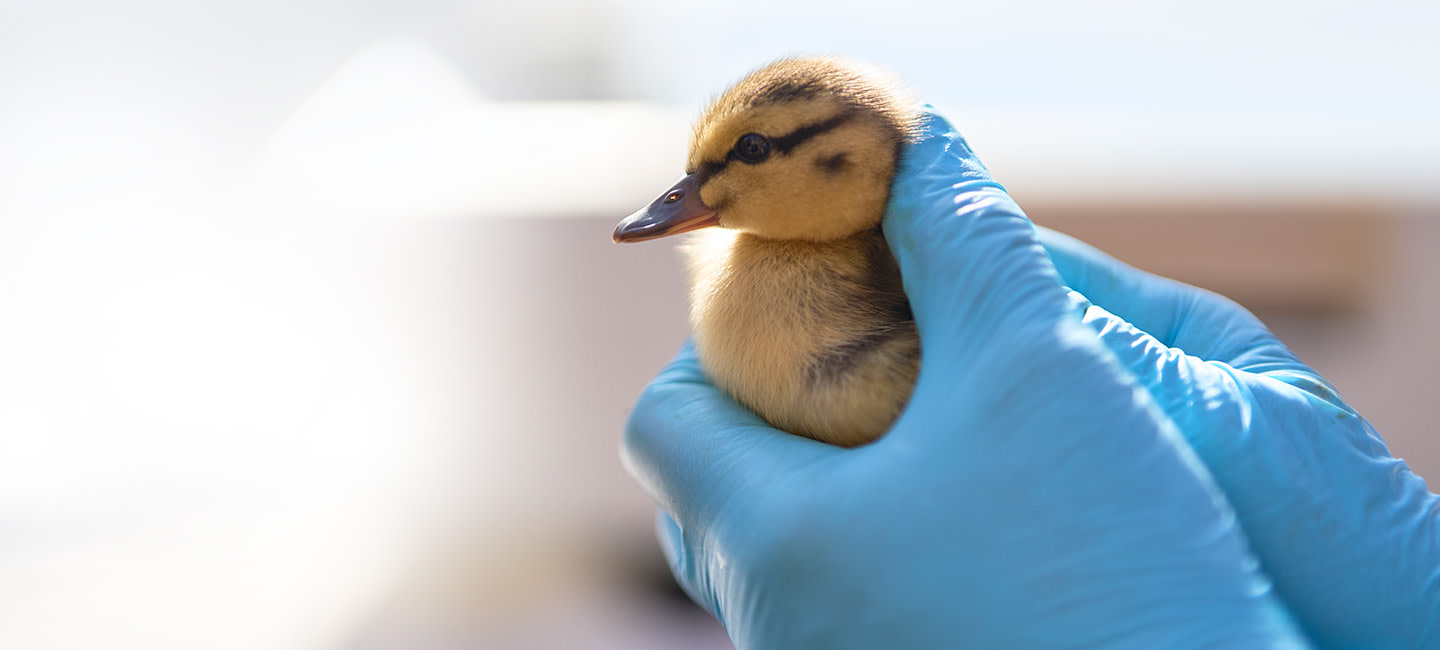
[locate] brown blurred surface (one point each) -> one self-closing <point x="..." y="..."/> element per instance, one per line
<point x="1321" y="257"/>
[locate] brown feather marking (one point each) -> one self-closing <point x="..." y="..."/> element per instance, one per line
<point x="832" y="164"/>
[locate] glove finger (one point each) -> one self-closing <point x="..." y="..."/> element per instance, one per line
<point x="1201" y="323"/>
<point x="973" y="270"/>
<point x="1174" y="379"/>
<point x="1207" y="400"/>
<point x="697" y="452"/>
<point x="1170" y="311"/>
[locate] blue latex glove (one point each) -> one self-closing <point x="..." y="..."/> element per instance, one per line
<point x="1031" y="495"/>
<point x="1349" y="535"/>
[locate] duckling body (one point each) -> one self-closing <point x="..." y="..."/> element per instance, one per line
<point x="796" y="301"/>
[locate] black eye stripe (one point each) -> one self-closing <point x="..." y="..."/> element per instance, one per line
<point x="782" y="144"/>
<point x="795" y="138"/>
<point x="709" y="169"/>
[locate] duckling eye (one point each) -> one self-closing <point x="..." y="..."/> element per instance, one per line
<point x="752" y="148"/>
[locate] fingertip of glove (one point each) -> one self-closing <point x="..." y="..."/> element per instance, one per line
<point x="933" y="134"/>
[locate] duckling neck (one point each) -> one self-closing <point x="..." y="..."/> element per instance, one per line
<point x="857" y="264"/>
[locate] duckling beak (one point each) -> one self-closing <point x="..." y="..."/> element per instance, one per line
<point x="678" y="210"/>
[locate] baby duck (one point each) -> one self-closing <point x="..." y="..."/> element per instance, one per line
<point x="796" y="302"/>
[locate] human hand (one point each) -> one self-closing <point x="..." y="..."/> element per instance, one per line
<point x="1032" y="494"/>
<point x="1348" y="533"/>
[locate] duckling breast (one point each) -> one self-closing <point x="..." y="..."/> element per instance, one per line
<point x="816" y="338"/>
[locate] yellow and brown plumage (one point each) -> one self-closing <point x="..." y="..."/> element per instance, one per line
<point x="796" y="301"/>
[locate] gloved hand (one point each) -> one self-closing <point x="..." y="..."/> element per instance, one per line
<point x="1032" y="494"/>
<point x="1349" y="535"/>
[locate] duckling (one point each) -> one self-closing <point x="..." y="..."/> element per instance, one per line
<point x="796" y="302"/>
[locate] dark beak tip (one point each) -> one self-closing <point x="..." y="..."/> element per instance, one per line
<point x="678" y="210"/>
<point x="630" y="229"/>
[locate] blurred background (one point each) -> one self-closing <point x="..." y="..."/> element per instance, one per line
<point x="312" y="336"/>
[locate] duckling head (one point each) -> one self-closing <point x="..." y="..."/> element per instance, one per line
<point x="802" y="149"/>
